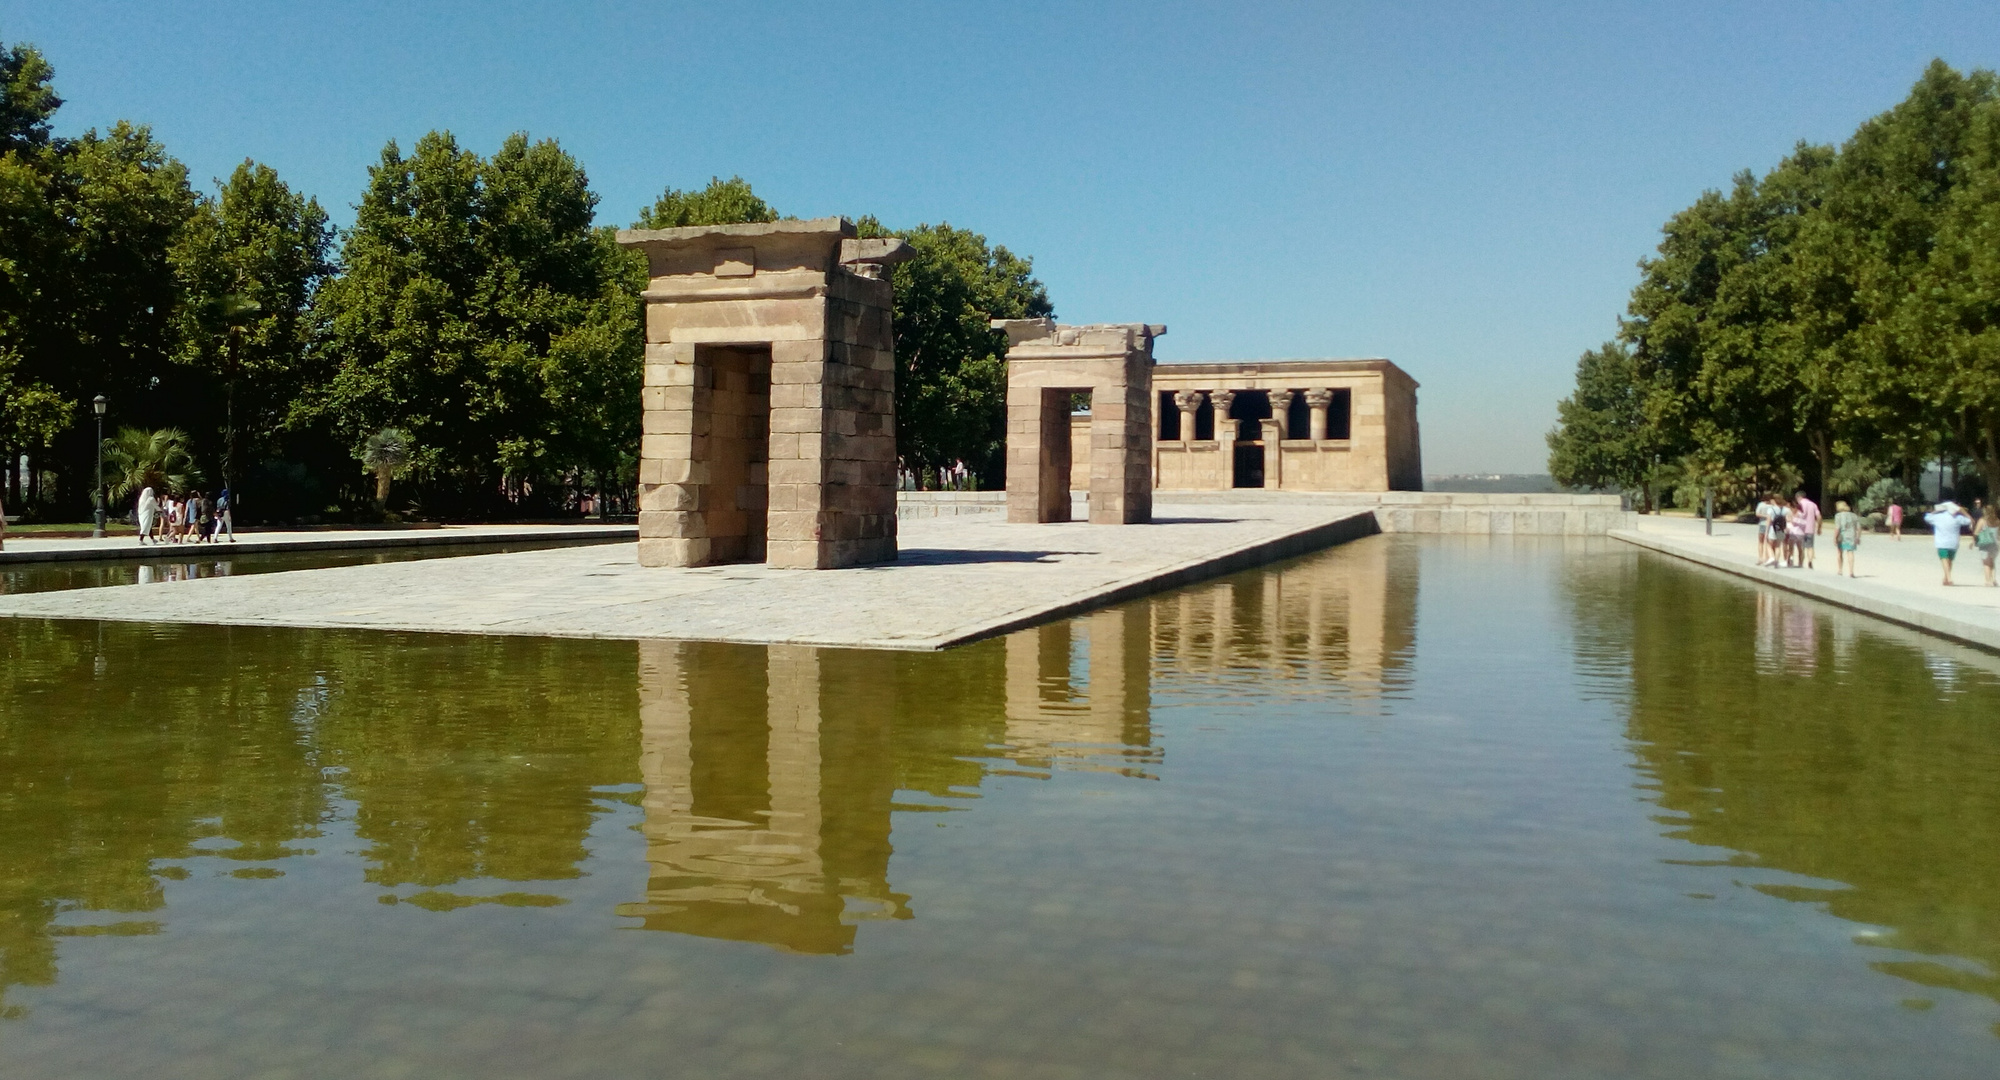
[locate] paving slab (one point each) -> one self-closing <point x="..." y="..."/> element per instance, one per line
<point x="23" y="549"/>
<point x="959" y="579"/>
<point x="1897" y="580"/>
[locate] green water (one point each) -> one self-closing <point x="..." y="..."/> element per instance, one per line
<point x="1411" y="808"/>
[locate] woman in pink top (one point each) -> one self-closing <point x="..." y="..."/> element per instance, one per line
<point x="1896" y="520"/>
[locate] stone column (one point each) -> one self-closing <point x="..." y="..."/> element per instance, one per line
<point x="1274" y="452"/>
<point x="1281" y="412"/>
<point x="1188" y="402"/>
<point x="1225" y="438"/>
<point x="1225" y="428"/>
<point x="1319" y="400"/>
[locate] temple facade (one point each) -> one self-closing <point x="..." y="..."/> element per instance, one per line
<point x="1302" y="425"/>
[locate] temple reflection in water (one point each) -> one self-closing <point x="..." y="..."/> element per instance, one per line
<point x="472" y="772"/>
<point x="771" y="772"/>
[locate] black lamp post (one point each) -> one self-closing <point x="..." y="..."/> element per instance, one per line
<point x="97" y="496"/>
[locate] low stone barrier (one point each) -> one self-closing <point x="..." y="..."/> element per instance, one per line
<point x="935" y="504"/>
<point x="1451" y="513"/>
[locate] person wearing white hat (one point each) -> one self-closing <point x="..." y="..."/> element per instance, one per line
<point x="1947" y="521"/>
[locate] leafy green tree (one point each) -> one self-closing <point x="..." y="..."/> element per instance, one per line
<point x="1841" y="303"/>
<point x="722" y="202"/>
<point x="1711" y="324"/>
<point x="86" y="293"/>
<point x="32" y="411"/>
<point x="1603" y="437"/>
<point x="951" y="366"/>
<point x="27" y="99"/>
<point x="1929" y="206"/>
<point x="385" y="454"/>
<point x="136" y="459"/>
<point x="247" y="263"/>
<point x="121" y="200"/>
<point x="479" y="311"/>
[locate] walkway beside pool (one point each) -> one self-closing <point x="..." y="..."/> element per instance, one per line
<point x="960" y="578"/>
<point x="1899" y="579"/>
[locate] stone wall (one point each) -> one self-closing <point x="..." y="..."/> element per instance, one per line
<point x="1434" y="512"/>
<point x="1449" y="512"/>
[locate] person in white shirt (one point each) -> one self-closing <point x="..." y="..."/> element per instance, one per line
<point x="1946" y="522"/>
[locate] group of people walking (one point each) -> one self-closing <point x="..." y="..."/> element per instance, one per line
<point x="1786" y="528"/>
<point x="194" y="519"/>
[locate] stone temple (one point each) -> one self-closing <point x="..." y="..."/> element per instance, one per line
<point x="1297" y="425"/>
<point x="769" y="430"/>
<point x="769" y="396"/>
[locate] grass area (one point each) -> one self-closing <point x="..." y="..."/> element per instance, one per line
<point x="75" y="528"/>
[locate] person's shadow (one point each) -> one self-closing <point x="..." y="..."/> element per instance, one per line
<point x="964" y="557"/>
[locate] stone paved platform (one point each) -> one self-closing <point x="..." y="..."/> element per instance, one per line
<point x="1898" y="579"/>
<point x="959" y="579"/>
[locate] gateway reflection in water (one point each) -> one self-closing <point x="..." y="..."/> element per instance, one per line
<point x="1568" y="810"/>
<point x="471" y="770"/>
<point x="771" y="773"/>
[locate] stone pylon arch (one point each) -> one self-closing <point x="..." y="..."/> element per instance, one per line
<point x="1047" y="365"/>
<point x="769" y="397"/>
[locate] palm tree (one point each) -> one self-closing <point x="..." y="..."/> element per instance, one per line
<point x="386" y="453"/>
<point x="156" y="459"/>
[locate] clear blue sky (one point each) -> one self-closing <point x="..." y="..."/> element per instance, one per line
<point x="1462" y="188"/>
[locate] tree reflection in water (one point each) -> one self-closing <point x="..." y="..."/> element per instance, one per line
<point x="473" y="770"/>
<point x="1818" y="743"/>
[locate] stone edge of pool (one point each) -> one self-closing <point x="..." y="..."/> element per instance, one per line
<point x="1279" y="539"/>
<point x="1871" y="600"/>
<point x="126" y="550"/>
<point x="1304" y="541"/>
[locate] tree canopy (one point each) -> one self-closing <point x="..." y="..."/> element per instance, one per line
<point x="1842" y="306"/>
<point x="479" y="310"/>
<point x="951" y="366"/>
<point x="475" y="306"/>
<point x="722" y="202"/>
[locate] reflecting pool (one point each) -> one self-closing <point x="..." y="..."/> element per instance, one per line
<point x="1414" y="807"/>
<point x="187" y="562"/>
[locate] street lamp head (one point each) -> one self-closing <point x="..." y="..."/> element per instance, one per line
<point x="97" y="404"/>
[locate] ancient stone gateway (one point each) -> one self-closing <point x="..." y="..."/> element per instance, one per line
<point x="1047" y="365"/>
<point x="769" y="397"/>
